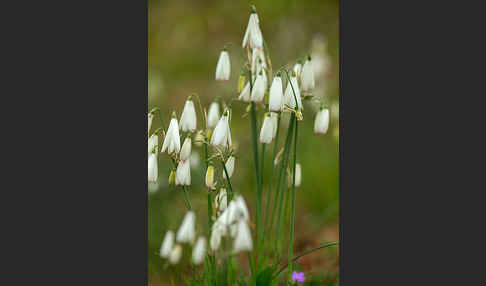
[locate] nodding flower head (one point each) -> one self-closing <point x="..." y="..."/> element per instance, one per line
<point x="276" y="94"/>
<point x="307" y="76"/>
<point x="243" y="240"/>
<point x="150" y="118"/>
<point x="253" y="34"/>
<point x="153" y="172"/>
<point x="187" y="232"/>
<point x="258" y="91"/>
<point x="188" y="117"/>
<point x="153" y="141"/>
<point x="175" y="254"/>
<point x="172" y="140"/>
<point x="213" y="114"/>
<point x="245" y="93"/>
<point x="223" y="68"/>
<point x="321" y="124"/>
<point x="199" y="251"/>
<point x="266" y="133"/>
<point x="222" y="135"/>
<point x="183" y="173"/>
<point x="298" y="68"/>
<point x="167" y="244"/>
<point x="293" y="86"/>
<point x="186" y="149"/>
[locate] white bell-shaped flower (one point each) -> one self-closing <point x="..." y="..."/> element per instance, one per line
<point x="175" y="254"/>
<point x="289" y="93"/>
<point x="188" y="117"/>
<point x="243" y="240"/>
<point x="150" y="118"/>
<point x="253" y="34"/>
<point x="153" y="171"/>
<point x="258" y="91"/>
<point x="186" y="149"/>
<point x="275" y="100"/>
<point x="221" y="200"/>
<point x="153" y="141"/>
<point x="266" y="133"/>
<point x="274" y="117"/>
<point x="183" y="173"/>
<point x="245" y="93"/>
<point x="223" y="68"/>
<point x="199" y="251"/>
<point x="222" y="134"/>
<point x="230" y="166"/>
<point x="172" y="140"/>
<point x="213" y="114"/>
<point x="298" y="175"/>
<point x="298" y="69"/>
<point x="215" y="240"/>
<point x="167" y="244"/>
<point x="187" y="231"/>
<point x="307" y="76"/>
<point x="257" y="60"/>
<point x="321" y="124"/>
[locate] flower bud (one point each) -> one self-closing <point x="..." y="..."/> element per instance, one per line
<point x="266" y="133"/>
<point x="172" y="177"/>
<point x="223" y="68"/>
<point x="175" y="254"/>
<point x="186" y="149"/>
<point x="153" y="172"/>
<point x="210" y="177"/>
<point x="321" y="123"/>
<point x="213" y="114"/>
<point x="241" y="82"/>
<point x="276" y="95"/>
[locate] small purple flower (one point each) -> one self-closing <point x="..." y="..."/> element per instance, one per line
<point x="298" y="276"/>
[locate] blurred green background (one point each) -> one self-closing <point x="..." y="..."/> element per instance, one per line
<point x="184" y="42"/>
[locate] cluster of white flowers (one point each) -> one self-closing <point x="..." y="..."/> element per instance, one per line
<point x="171" y="248"/>
<point x="233" y="221"/>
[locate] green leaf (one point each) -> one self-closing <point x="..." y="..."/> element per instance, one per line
<point x="264" y="278"/>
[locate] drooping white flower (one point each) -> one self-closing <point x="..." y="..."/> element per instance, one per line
<point x="186" y="149"/>
<point x="223" y="68"/>
<point x="183" y="173"/>
<point x="276" y="95"/>
<point x="245" y="93"/>
<point x="172" y="140"/>
<point x="266" y="133"/>
<point x="188" y="117"/>
<point x="243" y="240"/>
<point x="215" y="240"/>
<point x="253" y="34"/>
<point x="213" y="114"/>
<point x="167" y="244"/>
<point x="175" y="254"/>
<point x="222" y="134"/>
<point x="274" y="117"/>
<point x="321" y="124"/>
<point x="257" y="61"/>
<point x="187" y="232"/>
<point x="258" y="91"/>
<point x="230" y="166"/>
<point x="298" y="69"/>
<point x="307" y="76"/>
<point x="153" y="171"/>
<point x="289" y="93"/>
<point x="298" y="175"/>
<point x="199" y="251"/>
<point x="153" y="141"/>
<point x="221" y="200"/>
<point x="210" y="183"/>
<point x="150" y="118"/>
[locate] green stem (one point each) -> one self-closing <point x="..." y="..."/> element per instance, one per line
<point x="292" y="203"/>
<point x="262" y="238"/>
<point x="281" y="182"/>
<point x="186" y="197"/>
<point x="304" y="254"/>
<point x="257" y="175"/>
<point x="272" y="167"/>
